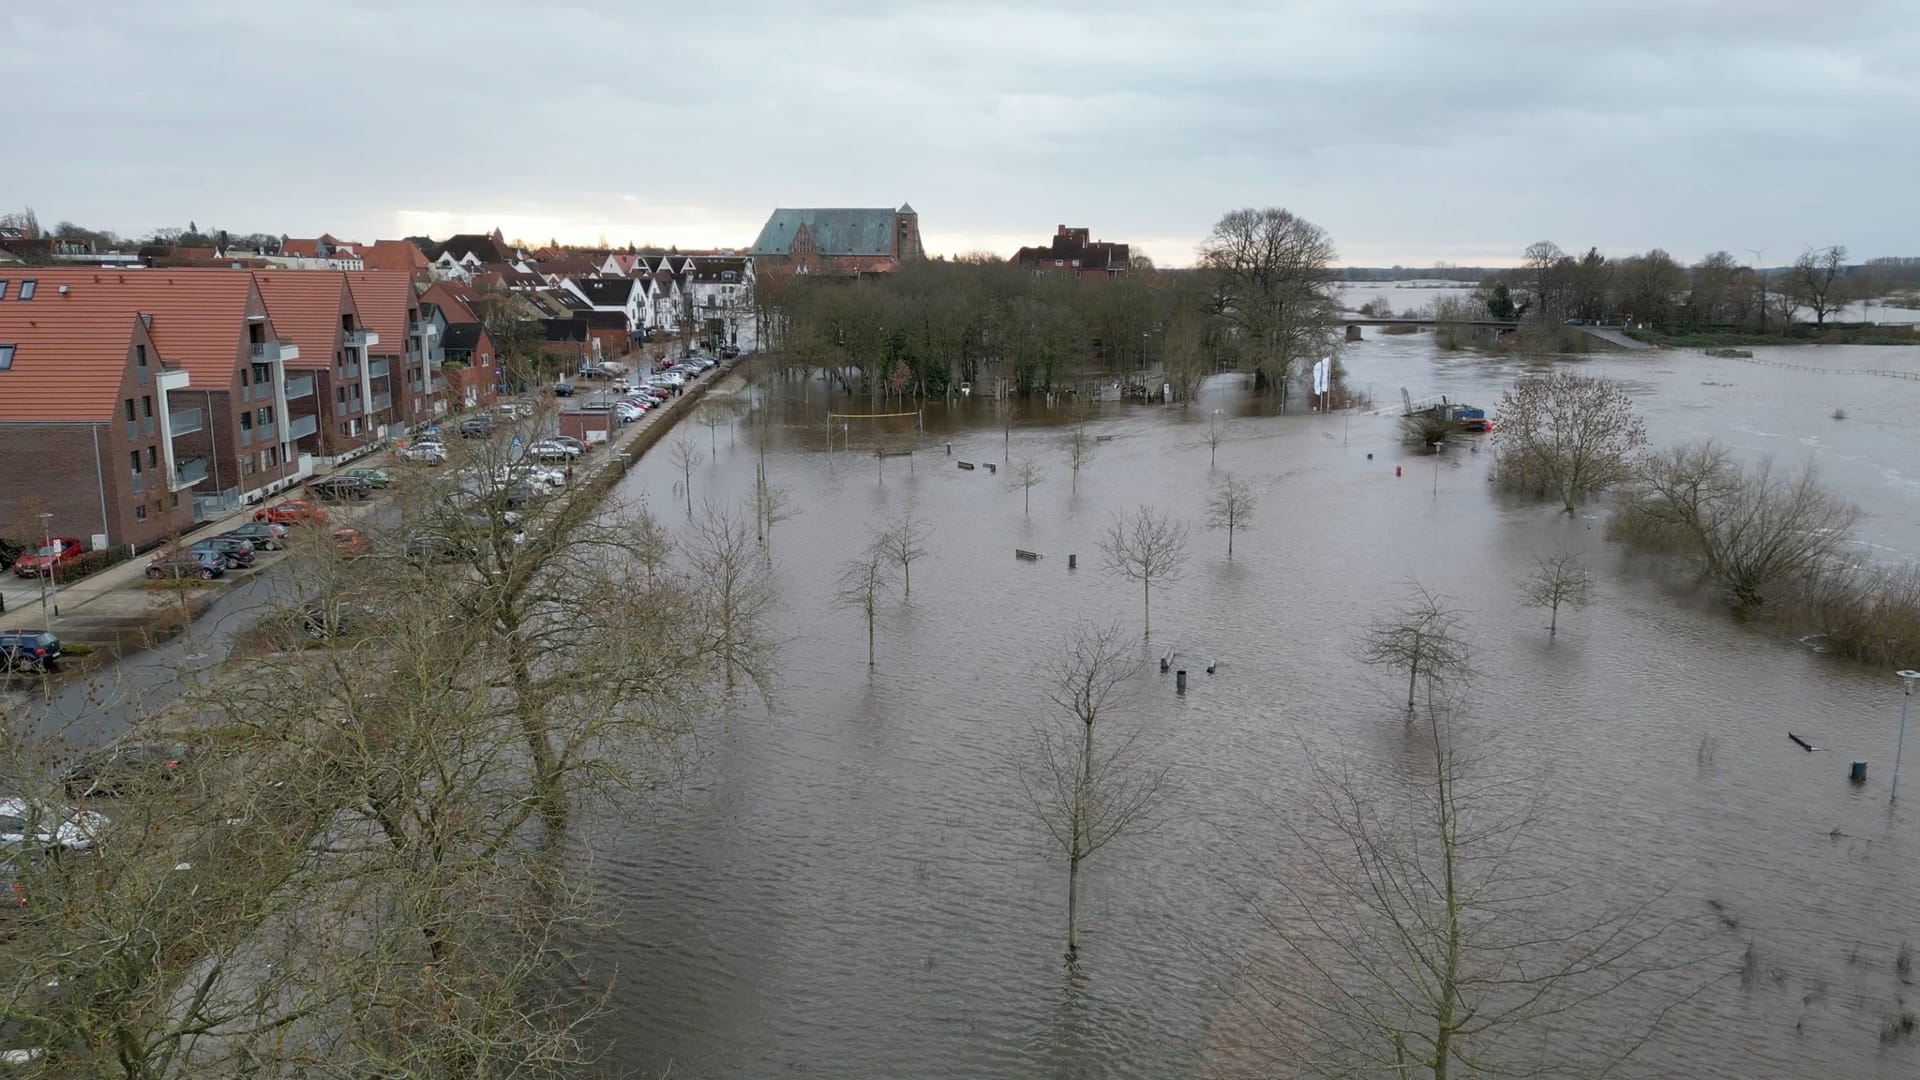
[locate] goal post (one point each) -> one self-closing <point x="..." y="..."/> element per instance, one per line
<point x="844" y="430"/>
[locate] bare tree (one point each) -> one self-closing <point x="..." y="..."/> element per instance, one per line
<point x="1415" y="940"/>
<point x="1747" y="529"/>
<point x="1080" y="448"/>
<point x="863" y="581"/>
<point x="1556" y="580"/>
<point x="1230" y="507"/>
<point x="714" y="416"/>
<point x="1088" y="792"/>
<point x="1026" y="474"/>
<point x="734" y="581"/>
<point x="904" y="541"/>
<point x="686" y="457"/>
<point x="1422" y="638"/>
<point x="771" y="505"/>
<point x="1273" y="279"/>
<point x="1814" y="282"/>
<point x="1185" y="355"/>
<point x="1214" y="435"/>
<point x="1567" y="435"/>
<point x="1149" y="547"/>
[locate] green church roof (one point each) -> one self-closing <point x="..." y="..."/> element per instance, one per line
<point x="835" y="232"/>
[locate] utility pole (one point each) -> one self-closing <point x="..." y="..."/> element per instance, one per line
<point x="46" y="580"/>
<point x="1907" y="679"/>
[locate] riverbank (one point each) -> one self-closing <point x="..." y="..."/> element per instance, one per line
<point x="1797" y="334"/>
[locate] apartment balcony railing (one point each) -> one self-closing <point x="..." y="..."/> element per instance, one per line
<point x="266" y="352"/>
<point x="260" y="391"/>
<point x="185" y="422"/>
<point x="439" y="384"/>
<point x="189" y="472"/>
<point x="302" y="426"/>
<point x="299" y="386"/>
<point x="353" y="339"/>
<point x="350" y="371"/>
<point x="382" y="402"/>
<point x="376" y="368"/>
<point x="264" y="432"/>
<point x="422" y="328"/>
<point x="349" y="407"/>
<point x="139" y="481"/>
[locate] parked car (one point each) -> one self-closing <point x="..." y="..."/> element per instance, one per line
<point x="126" y="766"/>
<point x="9" y="552"/>
<point x="237" y="553"/>
<point x="32" y="826"/>
<point x="628" y="412"/>
<point x="263" y="535"/>
<point x="350" y="543"/>
<point x="514" y="410"/>
<point x="48" y="559"/>
<point x="552" y="450"/>
<point x="436" y="547"/>
<point x="568" y="440"/>
<point x="340" y="488"/>
<point x="377" y="477"/>
<point x="28" y="650"/>
<point x="562" y="389"/>
<point x="729" y="351"/>
<point x="476" y="427"/>
<point x="432" y="453"/>
<point x="292" y="512"/>
<point x="205" y="565"/>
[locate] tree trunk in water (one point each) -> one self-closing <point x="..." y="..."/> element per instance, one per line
<point x="1073" y="907"/>
<point x="869" y="635"/>
<point x="1553" y="624"/>
<point x="1146" y="596"/>
<point x="1229" y="539"/>
<point x="546" y="774"/>
<point x="1413" y="673"/>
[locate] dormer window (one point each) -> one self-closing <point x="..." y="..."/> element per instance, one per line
<point x="6" y="357"/>
<point x="3" y="288"/>
<point x="26" y="288"/>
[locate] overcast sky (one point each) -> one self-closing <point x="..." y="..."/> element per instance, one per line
<point x="1412" y="131"/>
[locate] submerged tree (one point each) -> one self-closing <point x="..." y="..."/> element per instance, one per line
<point x="1423" y="639"/>
<point x="685" y="457"/>
<point x="1215" y="434"/>
<point x="1566" y="435"/>
<point x="1080" y="447"/>
<point x="1085" y="791"/>
<point x="904" y="541"/>
<point x="1273" y="278"/>
<point x="1149" y="547"/>
<point x="1230" y="507"/>
<point x="1556" y="580"/>
<point x="1026" y="474"/>
<point x="863" y="581"/>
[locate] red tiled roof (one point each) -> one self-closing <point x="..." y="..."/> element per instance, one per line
<point x="199" y="317"/>
<point x="70" y="352"/>
<point x="306" y="306"/>
<point x="398" y="255"/>
<point x="456" y="298"/>
<point x="383" y="297"/>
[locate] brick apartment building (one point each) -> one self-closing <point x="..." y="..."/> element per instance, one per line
<point x="404" y="343"/>
<point x="332" y="384"/>
<point x="1073" y="252"/>
<point x="133" y="402"/>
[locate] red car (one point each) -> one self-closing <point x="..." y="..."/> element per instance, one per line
<point x="350" y="542"/>
<point x="48" y="560"/>
<point x="292" y="512"/>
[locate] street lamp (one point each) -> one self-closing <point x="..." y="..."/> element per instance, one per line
<point x="1907" y="679"/>
<point x="46" y="574"/>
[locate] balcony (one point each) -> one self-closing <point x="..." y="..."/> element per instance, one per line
<point x="185" y="422"/>
<point x="350" y="372"/>
<point x="422" y="328"/>
<point x="260" y="391"/>
<point x="264" y="432"/>
<point x="356" y="339"/>
<point x="189" y="472"/>
<point x="299" y="386"/>
<point x="382" y="402"/>
<point x="376" y="368"/>
<point x="302" y="426"/>
<point x="244" y="435"/>
<point x="439" y="384"/>
<point x="349" y="407"/>
<point x="139" y="481"/>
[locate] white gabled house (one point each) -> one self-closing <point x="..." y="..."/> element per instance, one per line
<point x="719" y="296"/>
<point x="612" y="294"/>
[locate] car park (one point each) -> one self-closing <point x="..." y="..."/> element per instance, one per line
<point x="340" y="488"/>
<point x="30" y="826"/>
<point x="126" y="767"/>
<point x="552" y="450"/>
<point x="514" y="410"/>
<point x="238" y="554"/>
<point x="379" y="478"/>
<point x="291" y="512"/>
<point x="263" y="535"/>
<point x="48" y="559"/>
<point x="204" y="565"/>
<point x="729" y="351"/>
<point x="28" y="650"/>
<point x="562" y="389"/>
<point x="476" y="427"/>
<point x="628" y="412"/>
<point x="430" y="453"/>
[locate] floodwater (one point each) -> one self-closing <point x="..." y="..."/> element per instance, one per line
<point x="853" y="887"/>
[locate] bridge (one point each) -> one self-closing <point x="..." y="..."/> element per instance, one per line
<point x="1612" y="335"/>
<point x="1497" y="324"/>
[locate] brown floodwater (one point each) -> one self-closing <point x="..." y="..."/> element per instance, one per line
<point x="851" y="886"/>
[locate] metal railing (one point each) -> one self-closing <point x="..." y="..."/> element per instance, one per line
<point x="133" y="431"/>
<point x="382" y="402"/>
<point x="376" y="368"/>
<point x="350" y="371"/>
<point x="302" y="426"/>
<point x="353" y="339"/>
<point x="139" y="481"/>
<point x="264" y="432"/>
<point x="299" y="386"/>
<point x="185" y="422"/>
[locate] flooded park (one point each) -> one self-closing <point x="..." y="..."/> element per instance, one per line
<point x="853" y="883"/>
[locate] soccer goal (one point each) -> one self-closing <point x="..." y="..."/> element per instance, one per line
<point x="875" y="431"/>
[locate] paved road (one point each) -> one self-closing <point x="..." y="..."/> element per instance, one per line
<point x="1613" y="337"/>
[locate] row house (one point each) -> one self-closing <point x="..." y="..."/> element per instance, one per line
<point x="331" y="386"/>
<point x="624" y="296"/>
<point x="472" y="368"/>
<point x="139" y="401"/>
<point x="720" y="301"/>
<point x="461" y="255"/>
<point x="405" y="350"/>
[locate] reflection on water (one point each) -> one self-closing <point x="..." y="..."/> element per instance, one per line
<point x="851" y="887"/>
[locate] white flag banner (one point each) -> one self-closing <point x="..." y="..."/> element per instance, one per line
<point x="1322" y="374"/>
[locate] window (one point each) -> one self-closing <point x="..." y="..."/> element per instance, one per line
<point x="26" y="288"/>
<point x="6" y="355"/>
<point x="133" y="461"/>
<point x="246" y="421"/>
<point x="140" y="355"/>
<point x="146" y="406"/>
<point x="130" y="413"/>
<point x="140" y="512"/>
<point x="3" y="288"/>
<point x="153" y="457"/>
<point x="173" y="501"/>
<point x="273" y="456"/>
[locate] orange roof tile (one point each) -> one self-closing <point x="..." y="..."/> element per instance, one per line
<point x="399" y="255"/>
<point x="69" y="353"/>
<point x="383" y="297"/>
<point x="306" y="306"/>
<point x="199" y="319"/>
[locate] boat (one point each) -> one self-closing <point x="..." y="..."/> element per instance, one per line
<point x="1463" y="417"/>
